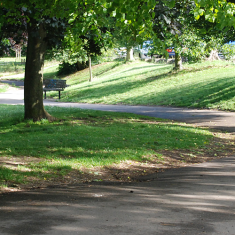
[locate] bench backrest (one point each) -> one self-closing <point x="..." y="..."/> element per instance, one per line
<point x="54" y="83"/>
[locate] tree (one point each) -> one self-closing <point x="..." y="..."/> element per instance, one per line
<point x="220" y="12"/>
<point x="41" y="33"/>
<point x="204" y="19"/>
<point x="170" y="21"/>
<point x="43" y="20"/>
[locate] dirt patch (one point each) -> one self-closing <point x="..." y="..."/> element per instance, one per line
<point x="221" y="146"/>
<point x="14" y="162"/>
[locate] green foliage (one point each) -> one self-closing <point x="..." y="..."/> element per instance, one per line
<point x="196" y="48"/>
<point x="228" y="51"/>
<point x="213" y="44"/>
<point x="220" y="12"/>
<point x="66" y="68"/>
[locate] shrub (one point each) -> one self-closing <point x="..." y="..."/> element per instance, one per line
<point x="228" y="51"/>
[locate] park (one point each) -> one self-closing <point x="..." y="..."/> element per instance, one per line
<point x="130" y="145"/>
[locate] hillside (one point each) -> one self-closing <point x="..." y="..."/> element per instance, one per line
<point x="201" y="85"/>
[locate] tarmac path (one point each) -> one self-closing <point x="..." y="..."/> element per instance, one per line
<point x="194" y="200"/>
<point x="205" y="118"/>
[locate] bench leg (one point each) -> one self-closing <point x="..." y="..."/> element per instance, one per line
<point x="59" y="94"/>
<point x="45" y="94"/>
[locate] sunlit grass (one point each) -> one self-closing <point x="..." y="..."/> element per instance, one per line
<point x="84" y="139"/>
<point x="3" y="88"/>
<point x="200" y="85"/>
<point x="11" y="66"/>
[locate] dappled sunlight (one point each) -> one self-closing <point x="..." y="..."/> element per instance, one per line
<point x="95" y="145"/>
<point x="113" y="83"/>
<point x="154" y="84"/>
<point x="174" y="201"/>
<point x="103" y="142"/>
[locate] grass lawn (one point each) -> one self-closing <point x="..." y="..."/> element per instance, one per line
<point x="94" y="146"/>
<point x="3" y="88"/>
<point x="84" y="146"/>
<point x="201" y="85"/>
<point x="11" y="66"/>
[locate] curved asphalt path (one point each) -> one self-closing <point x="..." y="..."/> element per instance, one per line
<point x="194" y="200"/>
<point x="205" y="118"/>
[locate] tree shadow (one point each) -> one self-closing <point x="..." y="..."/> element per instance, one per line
<point x="190" y="200"/>
<point x="97" y="139"/>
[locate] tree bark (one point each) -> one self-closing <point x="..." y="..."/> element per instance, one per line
<point x="129" y="54"/>
<point x="33" y="83"/>
<point x="213" y="55"/>
<point x="178" y="62"/>
<point x="90" y="70"/>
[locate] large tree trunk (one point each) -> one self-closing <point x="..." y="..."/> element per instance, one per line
<point x="213" y="55"/>
<point x="178" y="62"/>
<point x="129" y="54"/>
<point x="33" y="90"/>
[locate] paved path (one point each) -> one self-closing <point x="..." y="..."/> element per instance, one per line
<point x="212" y="118"/>
<point x="197" y="200"/>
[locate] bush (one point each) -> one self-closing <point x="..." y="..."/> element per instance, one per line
<point x="66" y="69"/>
<point x="228" y="51"/>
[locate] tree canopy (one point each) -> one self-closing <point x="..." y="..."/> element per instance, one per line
<point x="46" y="22"/>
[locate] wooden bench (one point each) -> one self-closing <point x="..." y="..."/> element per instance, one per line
<point x="54" y="85"/>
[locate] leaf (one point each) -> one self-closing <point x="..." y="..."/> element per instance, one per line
<point x="171" y="3"/>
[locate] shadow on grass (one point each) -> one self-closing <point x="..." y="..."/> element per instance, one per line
<point x="113" y="86"/>
<point x="49" y="75"/>
<point x="95" y="92"/>
<point x="10" y="115"/>
<point x="99" y="73"/>
<point x="93" y="138"/>
<point x="197" y="94"/>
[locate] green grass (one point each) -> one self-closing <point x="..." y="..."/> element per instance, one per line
<point x="85" y="138"/>
<point x="11" y="66"/>
<point x="8" y="68"/>
<point x="11" y="59"/>
<point x="3" y="88"/>
<point x="51" y="71"/>
<point x="201" y="85"/>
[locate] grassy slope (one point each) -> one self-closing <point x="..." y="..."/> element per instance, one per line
<point x="8" y="67"/>
<point x="205" y="85"/>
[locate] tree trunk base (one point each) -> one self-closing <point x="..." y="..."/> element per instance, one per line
<point x="178" y="62"/>
<point x="213" y="56"/>
<point x="130" y="55"/>
<point x="49" y="117"/>
<point x="39" y="117"/>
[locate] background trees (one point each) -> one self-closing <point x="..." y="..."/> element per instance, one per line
<point x="46" y="23"/>
<point x="85" y="27"/>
